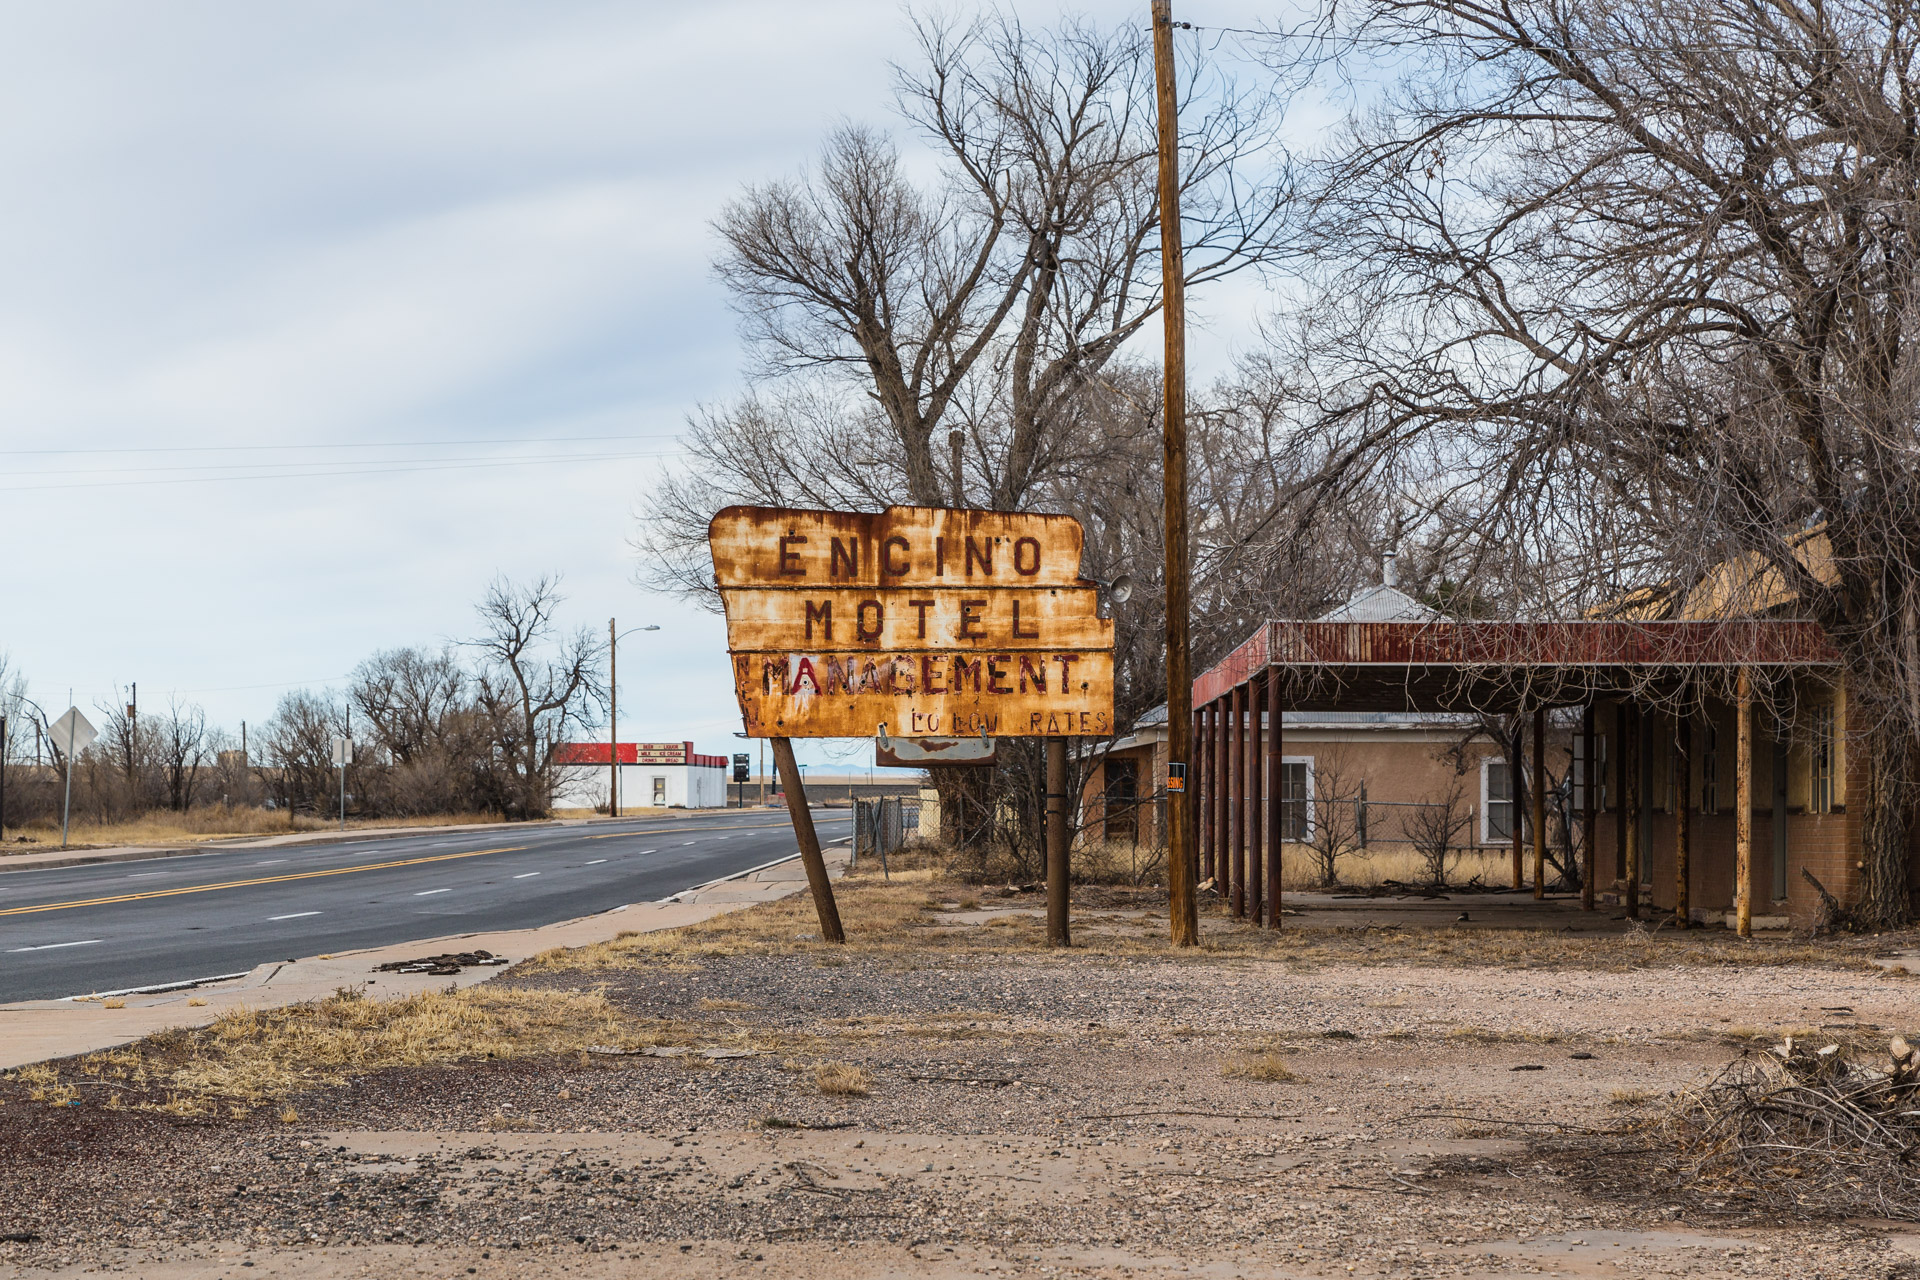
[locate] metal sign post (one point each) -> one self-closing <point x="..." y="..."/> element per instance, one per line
<point x="342" y="757"/>
<point x="71" y="735"/>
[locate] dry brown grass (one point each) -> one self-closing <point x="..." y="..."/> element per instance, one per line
<point x="905" y="916"/>
<point x="1267" y="1066"/>
<point x="1487" y="1035"/>
<point x="1630" y="1097"/>
<point x="839" y="1079"/>
<point x="250" y="1056"/>
<point x="1400" y="863"/>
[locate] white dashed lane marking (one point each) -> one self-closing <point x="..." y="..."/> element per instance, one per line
<point x="53" y="946"/>
<point x="429" y="892"/>
<point x="596" y="862"/>
<point x="524" y="874"/>
<point x="293" y="915"/>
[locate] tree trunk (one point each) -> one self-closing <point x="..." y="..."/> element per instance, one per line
<point x="1886" y="902"/>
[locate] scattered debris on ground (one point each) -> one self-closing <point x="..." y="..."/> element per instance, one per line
<point x="445" y="965"/>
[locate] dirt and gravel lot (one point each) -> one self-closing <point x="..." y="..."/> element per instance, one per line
<point x="947" y="1098"/>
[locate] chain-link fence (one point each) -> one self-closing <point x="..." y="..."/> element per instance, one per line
<point x="883" y="826"/>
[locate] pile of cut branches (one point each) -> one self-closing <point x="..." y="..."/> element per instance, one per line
<point x="1807" y="1132"/>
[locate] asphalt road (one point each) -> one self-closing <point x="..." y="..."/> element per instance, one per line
<point x="117" y="925"/>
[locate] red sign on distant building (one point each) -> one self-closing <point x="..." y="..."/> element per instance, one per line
<point x="635" y="753"/>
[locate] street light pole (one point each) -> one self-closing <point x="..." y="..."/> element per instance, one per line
<point x="613" y="713"/>
<point x="613" y="722"/>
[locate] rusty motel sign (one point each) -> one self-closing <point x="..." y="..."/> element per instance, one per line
<point x="913" y="623"/>
<point x="916" y="622"/>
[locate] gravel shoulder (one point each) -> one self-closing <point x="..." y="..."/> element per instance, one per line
<point x="947" y="1098"/>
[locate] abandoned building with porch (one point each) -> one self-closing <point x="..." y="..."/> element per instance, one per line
<point x="1717" y="748"/>
<point x="1355" y="778"/>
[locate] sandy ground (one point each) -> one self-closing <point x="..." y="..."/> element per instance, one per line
<point x="1028" y="1114"/>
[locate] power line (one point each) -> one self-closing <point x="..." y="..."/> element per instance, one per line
<point x="369" y="470"/>
<point x="362" y="444"/>
<point x="295" y="467"/>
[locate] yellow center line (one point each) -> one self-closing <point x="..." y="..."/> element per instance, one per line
<point x="241" y="884"/>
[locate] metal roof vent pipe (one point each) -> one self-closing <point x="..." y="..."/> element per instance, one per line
<point x="1390" y="569"/>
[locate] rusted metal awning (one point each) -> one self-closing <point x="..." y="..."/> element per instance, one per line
<point x="1469" y="665"/>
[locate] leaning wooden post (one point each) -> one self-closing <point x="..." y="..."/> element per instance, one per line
<point x="1237" y="800"/>
<point x="1682" y="819"/>
<point x="822" y="887"/>
<point x="1256" y="818"/>
<point x="1058" y="934"/>
<point x="1743" y="809"/>
<point x="1276" y="794"/>
<point x="1591" y="779"/>
<point x="1539" y="793"/>
<point x="1516" y="788"/>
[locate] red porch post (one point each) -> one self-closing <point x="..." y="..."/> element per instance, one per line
<point x="1682" y="820"/>
<point x="1539" y="793"/>
<point x="1203" y="802"/>
<point x="1590" y="777"/>
<point x="1237" y="800"/>
<point x="1256" y="816"/>
<point x="1276" y="794"/>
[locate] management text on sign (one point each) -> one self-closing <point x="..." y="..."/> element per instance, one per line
<point x="927" y="621"/>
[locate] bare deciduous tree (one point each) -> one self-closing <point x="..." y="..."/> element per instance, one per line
<point x="183" y="750"/>
<point x="1611" y="295"/>
<point x="1440" y="830"/>
<point x="537" y="684"/>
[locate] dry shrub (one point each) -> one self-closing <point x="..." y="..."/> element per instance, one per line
<point x="1267" y="1066"/>
<point x="1630" y="1097"/>
<point x="1799" y="1131"/>
<point x="841" y="1080"/>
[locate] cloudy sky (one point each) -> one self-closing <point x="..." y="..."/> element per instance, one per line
<point x="317" y="316"/>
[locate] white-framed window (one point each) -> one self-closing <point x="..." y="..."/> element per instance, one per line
<point x="1496" y="801"/>
<point x="659" y="793"/>
<point x="1296" y="798"/>
<point x="1820" y="762"/>
<point x="1582" y="774"/>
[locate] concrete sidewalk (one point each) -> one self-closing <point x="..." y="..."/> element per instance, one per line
<point x="38" y="1030"/>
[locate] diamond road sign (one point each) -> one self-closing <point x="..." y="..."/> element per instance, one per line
<point x="71" y="733"/>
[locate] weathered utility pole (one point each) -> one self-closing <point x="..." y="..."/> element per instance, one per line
<point x="1182" y="907"/>
<point x="957" y="442"/>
